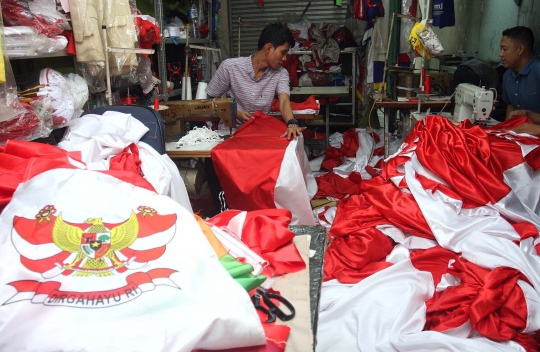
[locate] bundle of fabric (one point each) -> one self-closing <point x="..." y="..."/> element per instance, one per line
<point x="22" y="41"/>
<point x="22" y="124"/>
<point x="40" y="15"/>
<point x="272" y="255"/>
<point x="259" y="169"/>
<point x="112" y="142"/>
<point x="308" y="106"/>
<point x="88" y="249"/>
<point x="444" y="244"/>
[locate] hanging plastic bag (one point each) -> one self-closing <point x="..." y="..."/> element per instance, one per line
<point x="416" y="42"/>
<point x="430" y="40"/>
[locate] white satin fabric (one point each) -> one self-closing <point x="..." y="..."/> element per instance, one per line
<point x="295" y="185"/>
<point x="101" y="137"/>
<point x="386" y="312"/>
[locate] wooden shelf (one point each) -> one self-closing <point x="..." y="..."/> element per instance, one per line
<point x="326" y="91"/>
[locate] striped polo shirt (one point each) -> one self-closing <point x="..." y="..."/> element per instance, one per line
<point x="237" y="77"/>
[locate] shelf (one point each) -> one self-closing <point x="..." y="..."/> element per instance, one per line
<point x="191" y="40"/>
<point x="327" y="91"/>
<point x="56" y="54"/>
<point x="398" y="69"/>
<point x="175" y="92"/>
<point x="309" y="52"/>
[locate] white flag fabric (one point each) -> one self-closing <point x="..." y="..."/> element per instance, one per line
<point x="386" y="312"/>
<point x="101" y="137"/>
<point x="91" y="263"/>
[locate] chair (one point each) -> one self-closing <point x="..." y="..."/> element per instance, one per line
<point x="151" y="118"/>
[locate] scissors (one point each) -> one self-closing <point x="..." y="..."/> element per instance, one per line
<point x="273" y="310"/>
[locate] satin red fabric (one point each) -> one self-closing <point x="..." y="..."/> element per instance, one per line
<point x="267" y="233"/>
<point x="334" y="156"/>
<point x="332" y="185"/>
<point x="248" y="164"/>
<point x="462" y="158"/>
<point x="309" y="103"/>
<point x="355" y="242"/>
<point x="490" y="299"/>
<point x="127" y="160"/>
<point x="20" y="161"/>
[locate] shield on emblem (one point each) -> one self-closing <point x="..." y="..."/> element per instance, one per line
<point x="95" y="245"/>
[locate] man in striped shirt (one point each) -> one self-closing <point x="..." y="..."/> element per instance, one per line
<point x="254" y="81"/>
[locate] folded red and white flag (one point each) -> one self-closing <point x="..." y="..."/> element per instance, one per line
<point x="85" y="250"/>
<point x="266" y="232"/>
<point x="259" y="169"/>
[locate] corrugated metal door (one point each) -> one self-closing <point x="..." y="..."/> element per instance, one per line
<point x="274" y="10"/>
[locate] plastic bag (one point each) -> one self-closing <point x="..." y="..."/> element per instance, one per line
<point x="23" y="41"/>
<point x="39" y="14"/>
<point x="17" y="120"/>
<point x="430" y="40"/>
<point x="415" y="41"/>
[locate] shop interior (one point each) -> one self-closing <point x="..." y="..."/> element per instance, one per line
<point x="173" y="180"/>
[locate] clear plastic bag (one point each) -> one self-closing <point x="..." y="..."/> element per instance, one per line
<point x="430" y="40"/>
<point x="17" y="120"/>
<point x="120" y="32"/>
<point x="38" y="14"/>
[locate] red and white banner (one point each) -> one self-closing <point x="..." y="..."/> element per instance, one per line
<point x="82" y="249"/>
<point x="258" y="169"/>
<point x="452" y="204"/>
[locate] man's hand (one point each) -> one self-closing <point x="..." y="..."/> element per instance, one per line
<point x="519" y="113"/>
<point x="243" y="115"/>
<point x="529" y="128"/>
<point x="292" y="132"/>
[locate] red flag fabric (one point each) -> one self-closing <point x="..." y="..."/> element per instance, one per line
<point x="259" y="169"/>
<point x="459" y="203"/>
<point x="267" y="233"/>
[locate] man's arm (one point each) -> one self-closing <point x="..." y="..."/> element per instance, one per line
<point x="533" y="116"/>
<point x="509" y="109"/>
<point x="286" y="112"/>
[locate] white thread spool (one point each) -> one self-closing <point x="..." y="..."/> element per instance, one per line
<point x="188" y="89"/>
<point x="201" y="90"/>
<point x="173" y="30"/>
<point x="184" y="88"/>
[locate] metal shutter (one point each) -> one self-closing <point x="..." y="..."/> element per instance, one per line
<point x="250" y="11"/>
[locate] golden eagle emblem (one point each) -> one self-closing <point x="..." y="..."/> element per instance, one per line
<point x="96" y="245"/>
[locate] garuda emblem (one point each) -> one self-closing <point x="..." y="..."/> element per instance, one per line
<point x="52" y="246"/>
<point x="94" y="244"/>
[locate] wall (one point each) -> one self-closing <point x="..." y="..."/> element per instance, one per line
<point x="479" y="25"/>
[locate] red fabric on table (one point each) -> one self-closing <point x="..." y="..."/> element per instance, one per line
<point x="248" y="164"/>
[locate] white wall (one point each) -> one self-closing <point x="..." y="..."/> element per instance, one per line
<point x="479" y="25"/>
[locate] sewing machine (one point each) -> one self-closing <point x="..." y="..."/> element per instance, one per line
<point x="217" y="109"/>
<point x="473" y="103"/>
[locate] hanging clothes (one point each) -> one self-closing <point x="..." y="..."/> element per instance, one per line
<point x="443" y="13"/>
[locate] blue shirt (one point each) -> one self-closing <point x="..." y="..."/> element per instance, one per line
<point x="522" y="89"/>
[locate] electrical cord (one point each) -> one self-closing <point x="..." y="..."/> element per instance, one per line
<point x="449" y="99"/>
<point x="371" y="128"/>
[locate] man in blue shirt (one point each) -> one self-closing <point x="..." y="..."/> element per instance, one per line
<point x="521" y="82"/>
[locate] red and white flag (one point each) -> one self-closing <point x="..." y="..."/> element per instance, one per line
<point x="258" y="169"/>
<point x="452" y="188"/>
<point x="85" y="251"/>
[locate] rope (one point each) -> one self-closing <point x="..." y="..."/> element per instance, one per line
<point x="199" y="135"/>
